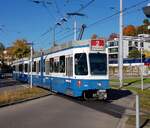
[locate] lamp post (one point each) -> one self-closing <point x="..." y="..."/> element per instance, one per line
<point x="62" y="20"/>
<point x="31" y="60"/>
<point x="31" y="51"/>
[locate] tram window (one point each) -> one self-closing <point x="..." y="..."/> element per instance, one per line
<point x="51" y="64"/>
<point x="37" y="67"/>
<point x="17" y="68"/>
<point x="20" y="67"/>
<point x="26" y="67"/>
<point x="56" y="66"/>
<point x="69" y="66"/>
<point x="47" y="67"/>
<point x="34" y="66"/>
<point x="98" y="63"/>
<point x="29" y="67"/>
<point x="81" y="64"/>
<point x="14" y="68"/>
<point x="62" y="64"/>
<point x="43" y="66"/>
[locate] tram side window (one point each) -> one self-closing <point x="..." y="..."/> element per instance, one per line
<point x="51" y="64"/>
<point x="69" y="66"/>
<point x="81" y="64"/>
<point x="20" y="67"/>
<point x="62" y="64"/>
<point x="26" y="68"/>
<point x="37" y="67"/>
<point x="17" y="68"/>
<point x="47" y="67"/>
<point x="14" y="68"/>
<point x="29" y="67"/>
<point x="34" y="66"/>
<point x="56" y="66"/>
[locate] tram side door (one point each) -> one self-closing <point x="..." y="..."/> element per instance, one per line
<point x="69" y="71"/>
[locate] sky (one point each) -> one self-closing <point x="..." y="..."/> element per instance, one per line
<point x="35" y="21"/>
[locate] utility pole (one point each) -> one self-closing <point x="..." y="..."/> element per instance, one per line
<point x="120" y="59"/>
<point x="75" y="22"/>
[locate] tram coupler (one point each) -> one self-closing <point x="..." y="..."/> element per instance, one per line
<point x="102" y="94"/>
<point x="95" y="94"/>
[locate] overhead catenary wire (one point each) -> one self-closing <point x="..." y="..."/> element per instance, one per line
<point x="44" y="5"/>
<point x="108" y="17"/>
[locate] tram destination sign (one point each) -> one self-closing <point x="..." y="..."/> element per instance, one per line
<point x="97" y="45"/>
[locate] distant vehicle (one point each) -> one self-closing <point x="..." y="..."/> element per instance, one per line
<point x="78" y="69"/>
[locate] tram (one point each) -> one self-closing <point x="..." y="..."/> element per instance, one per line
<point x="77" y="68"/>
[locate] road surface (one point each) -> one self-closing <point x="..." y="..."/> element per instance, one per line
<point x="59" y="111"/>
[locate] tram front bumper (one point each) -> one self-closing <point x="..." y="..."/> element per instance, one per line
<point x="101" y="94"/>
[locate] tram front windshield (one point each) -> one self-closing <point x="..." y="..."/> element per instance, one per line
<point x="98" y="63"/>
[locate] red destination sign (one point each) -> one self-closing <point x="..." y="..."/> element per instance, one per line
<point x="97" y="45"/>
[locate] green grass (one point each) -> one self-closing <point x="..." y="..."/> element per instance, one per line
<point x="132" y="80"/>
<point x="143" y="118"/>
<point x="144" y="104"/>
<point x="20" y="94"/>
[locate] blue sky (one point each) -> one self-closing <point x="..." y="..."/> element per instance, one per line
<point x="24" y="19"/>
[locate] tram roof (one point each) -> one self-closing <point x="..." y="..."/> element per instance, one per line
<point x="64" y="46"/>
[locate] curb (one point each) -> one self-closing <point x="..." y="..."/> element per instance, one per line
<point x="123" y="120"/>
<point x="25" y="100"/>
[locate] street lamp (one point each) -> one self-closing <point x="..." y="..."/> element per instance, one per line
<point x="146" y="10"/>
<point x="31" y="61"/>
<point x="62" y="20"/>
<point x="75" y="22"/>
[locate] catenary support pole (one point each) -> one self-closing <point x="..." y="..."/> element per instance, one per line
<point x="120" y="59"/>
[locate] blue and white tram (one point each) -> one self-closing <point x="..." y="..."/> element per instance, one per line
<point x="72" y="69"/>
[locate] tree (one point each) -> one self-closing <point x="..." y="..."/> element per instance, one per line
<point x="129" y="30"/>
<point x="112" y="36"/>
<point x="134" y="54"/>
<point x="94" y="36"/>
<point x="146" y="22"/>
<point x="2" y="48"/>
<point x="20" y="49"/>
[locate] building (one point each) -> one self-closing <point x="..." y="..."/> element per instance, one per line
<point x="129" y="43"/>
<point x="131" y="67"/>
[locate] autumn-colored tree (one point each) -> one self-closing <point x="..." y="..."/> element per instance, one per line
<point x="129" y="30"/>
<point x="113" y="36"/>
<point x="94" y="36"/>
<point x="20" y="49"/>
<point x="2" y="48"/>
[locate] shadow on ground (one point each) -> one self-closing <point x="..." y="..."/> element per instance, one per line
<point x="115" y="94"/>
<point x="9" y="82"/>
<point x="105" y="106"/>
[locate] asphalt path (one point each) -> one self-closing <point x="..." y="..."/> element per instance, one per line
<point x="60" y="111"/>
